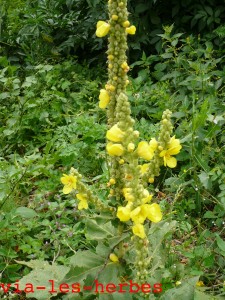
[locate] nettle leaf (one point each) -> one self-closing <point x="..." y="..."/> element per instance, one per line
<point x="185" y="291"/>
<point x="40" y="276"/>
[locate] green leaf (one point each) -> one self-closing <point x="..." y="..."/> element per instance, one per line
<point x="98" y="232"/>
<point x="205" y="180"/>
<point x="86" y="259"/>
<point x="97" y="269"/>
<point x="209" y="215"/>
<point x="26" y="212"/>
<point x="220" y="243"/>
<point x="185" y="291"/>
<point x="41" y="275"/>
<point x="203" y="296"/>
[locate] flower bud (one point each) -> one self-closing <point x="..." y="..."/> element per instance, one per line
<point x="115" y="17"/>
<point x="130" y="147"/>
<point x="151" y="180"/>
<point x="110" y="57"/>
<point x="126" y="24"/>
<point x="113" y="257"/>
<point x="112" y="181"/>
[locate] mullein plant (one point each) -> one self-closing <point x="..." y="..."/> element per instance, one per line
<point x="134" y="164"/>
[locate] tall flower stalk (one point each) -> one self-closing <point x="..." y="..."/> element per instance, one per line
<point x="134" y="164"/>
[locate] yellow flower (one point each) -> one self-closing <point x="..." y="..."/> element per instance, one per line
<point x="174" y="147"/>
<point x="131" y="29"/>
<point x="102" y="29"/>
<point x="144" y="168"/>
<point x="153" y="212"/>
<point x="138" y="229"/>
<point x="123" y="213"/>
<point x="70" y="183"/>
<point x="178" y="283"/>
<point x="115" y="134"/>
<point x="138" y="215"/>
<point x="83" y="201"/>
<point x="104" y="98"/>
<point x="146" y="199"/>
<point x="114" y="149"/>
<point x="113" y="257"/>
<point x="200" y="283"/>
<point x="145" y="151"/>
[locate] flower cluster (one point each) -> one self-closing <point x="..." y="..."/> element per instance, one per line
<point x="84" y="195"/>
<point x="140" y="213"/>
<point x="118" y="27"/>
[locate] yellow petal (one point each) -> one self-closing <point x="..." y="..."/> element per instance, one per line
<point x="153" y="211"/>
<point x="114" y="149"/>
<point x="115" y="134"/>
<point x="131" y="29"/>
<point x="138" y="216"/>
<point x="104" y="98"/>
<point x="153" y="144"/>
<point x="146" y="199"/>
<point x="81" y="196"/>
<point x="100" y="23"/>
<point x="174" y="146"/>
<point x="144" y="168"/>
<point x="123" y="213"/>
<point x="145" y="151"/>
<point x="138" y="229"/>
<point x="171" y="162"/>
<point x="162" y="153"/>
<point x="102" y="29"/>
<point x="83" y="204"/>
<point x="64" y="179"/>
<point x="67" y="189"/>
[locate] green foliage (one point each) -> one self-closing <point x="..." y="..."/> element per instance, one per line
<point x="39" y="30"/>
